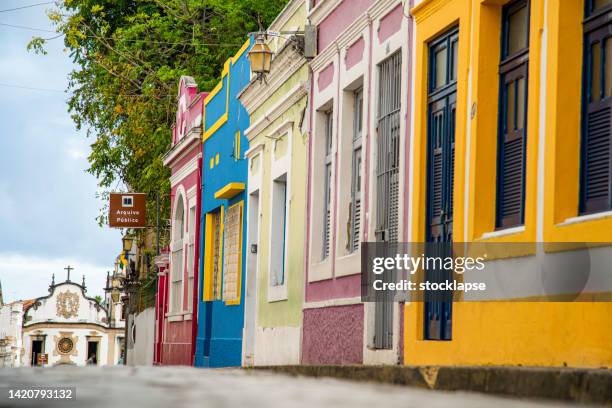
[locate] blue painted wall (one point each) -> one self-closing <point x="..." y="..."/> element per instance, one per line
<point x="220" y="325"/>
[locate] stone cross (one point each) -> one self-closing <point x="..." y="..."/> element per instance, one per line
<point x="68" y="268"/>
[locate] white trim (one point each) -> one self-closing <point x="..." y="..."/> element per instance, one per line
<point x="503" y="232"/>
<point x="179" y="150"/>
<point x="249" y="154"/>
<point x="332" y="303"/>
<point x="187" y="169"/>
<point x="277" y="110"/>
<point x="256" y="93"/>
<point x="585" y="218"/>
<point x="278" y="167"/>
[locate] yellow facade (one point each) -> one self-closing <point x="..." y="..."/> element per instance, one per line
<point x="510" y="333"/>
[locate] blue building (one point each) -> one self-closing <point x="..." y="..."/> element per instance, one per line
<point x="224" y="178"/>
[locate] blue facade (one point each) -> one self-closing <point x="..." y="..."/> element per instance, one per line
<point x="224" y="178"/>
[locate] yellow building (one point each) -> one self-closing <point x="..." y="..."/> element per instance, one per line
<point x="512" y="143"/>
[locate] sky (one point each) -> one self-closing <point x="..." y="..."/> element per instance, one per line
<point x="47" y="199"/>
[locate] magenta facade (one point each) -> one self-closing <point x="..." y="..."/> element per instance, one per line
<point x="177" y="295"/>
<point x="333" y="335"/>
<point x="356" y="37"/>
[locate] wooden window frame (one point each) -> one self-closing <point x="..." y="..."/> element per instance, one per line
<point x="512" y="68"/>
<point x="595" y="20"/>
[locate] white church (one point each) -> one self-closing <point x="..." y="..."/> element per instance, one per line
<point x="65" y="327"/>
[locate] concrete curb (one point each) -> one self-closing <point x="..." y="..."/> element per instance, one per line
<point x="567" y="384"/>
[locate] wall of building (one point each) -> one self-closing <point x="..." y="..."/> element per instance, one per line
<point x="277" y="147"/>
<point x="142" y="336"/>
<point x="221" y="321"/>
<point x="354" y="38"/>
<point x="542" y="333"/>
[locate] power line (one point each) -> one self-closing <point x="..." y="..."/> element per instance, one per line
<point x="124" y="39"/>
<point x="30" y="87"/>
<point x="28" y="6"/>
<point x="26" y="28"/>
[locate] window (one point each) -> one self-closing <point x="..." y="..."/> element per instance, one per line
<point x="596" y="164"/>
<point x="127" y="201"/>
<point x="191" y="257"/>
<point x="278" y="234"/>
<point x="216" y="254"/>
<point x="512" y="115"/>
<point x="212" y="255"/>
<point x="176" y="273"/>
<point x="355" y="217"/>
<point x="328" y="184"/>
<point x="232" y="253"/>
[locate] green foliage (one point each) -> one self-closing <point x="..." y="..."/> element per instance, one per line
<point x="130" y="55"/>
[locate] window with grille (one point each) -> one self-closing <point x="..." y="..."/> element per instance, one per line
<point x="513" y="114"/>
<point x="177" y="267"/>
<point x="278" y="233"/>
<point x="232" y="253"/>
<point x="355" y="219"/>
<point x="328" y="184"/>
<point x="596" y="163"/>
<point x="191" y="258"/>
<point x="216" y="254"/>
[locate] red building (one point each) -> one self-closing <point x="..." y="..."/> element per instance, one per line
<point x="177" y="294"/>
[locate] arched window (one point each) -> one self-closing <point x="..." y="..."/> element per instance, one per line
<point x="176" y="274"/>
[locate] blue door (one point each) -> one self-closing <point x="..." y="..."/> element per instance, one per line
<point x="442" y="98"/>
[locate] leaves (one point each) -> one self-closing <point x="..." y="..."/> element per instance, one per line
<point x="130" y="55"/>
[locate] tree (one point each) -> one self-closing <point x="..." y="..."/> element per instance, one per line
<point x="129" y="56"/>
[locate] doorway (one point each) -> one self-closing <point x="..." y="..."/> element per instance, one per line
<point x="37" y="349"/>
<point x="92" y="353"/>
<point x="251" y="280"/>
<point x="442" y="101"/>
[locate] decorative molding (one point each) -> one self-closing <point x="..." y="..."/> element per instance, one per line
<point x="322" y="10"/>
<point x="254" y="150"/>
<point x="287" y="62"/>
<point x="188" y="168"/>
<point x="347" y="37"/>
<point x="179" y="150"/>
<point x="277" y="110"/>
<point x="333" y="303"/>
<point x="285" y="15"/>
<point x="426" y="9"/>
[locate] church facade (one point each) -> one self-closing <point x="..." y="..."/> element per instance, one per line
<point x="67" y="327"/>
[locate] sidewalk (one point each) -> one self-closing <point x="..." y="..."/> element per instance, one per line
<point x="567" y="384"/>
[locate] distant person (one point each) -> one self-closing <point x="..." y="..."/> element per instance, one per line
<point x="92" y="359"/>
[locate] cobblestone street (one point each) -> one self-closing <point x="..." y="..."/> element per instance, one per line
<point x="189" y="387"/>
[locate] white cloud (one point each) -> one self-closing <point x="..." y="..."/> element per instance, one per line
<point x="28" y="277"/>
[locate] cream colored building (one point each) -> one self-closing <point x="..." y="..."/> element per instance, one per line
<point x="70" y="328"/>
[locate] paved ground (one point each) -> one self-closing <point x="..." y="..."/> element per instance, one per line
<point x="176" y="387"/>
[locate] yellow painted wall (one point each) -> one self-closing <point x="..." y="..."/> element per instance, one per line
<point x="510" y="333"/>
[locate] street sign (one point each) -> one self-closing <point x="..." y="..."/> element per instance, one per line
<point x="42" y="359"/>
<point x="127" y="210"/>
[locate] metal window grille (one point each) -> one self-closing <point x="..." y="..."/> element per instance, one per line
<point x="328" y="184"/>
<point x="387" y="181"/>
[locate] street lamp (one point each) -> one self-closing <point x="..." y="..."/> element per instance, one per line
<point x="260" y="56"/>
<point x="127" y="244"/>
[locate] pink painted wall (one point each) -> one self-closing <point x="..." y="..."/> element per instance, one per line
<point x="390" y="23"/>
<point x="333" y="335"/>
<point x="339" y="19"/>
<point x="178" y="338"/>
<point x="354" y="54"/>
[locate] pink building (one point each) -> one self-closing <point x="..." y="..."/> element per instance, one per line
<point x="177" y="294"/>
<point x="358" y="177"/>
